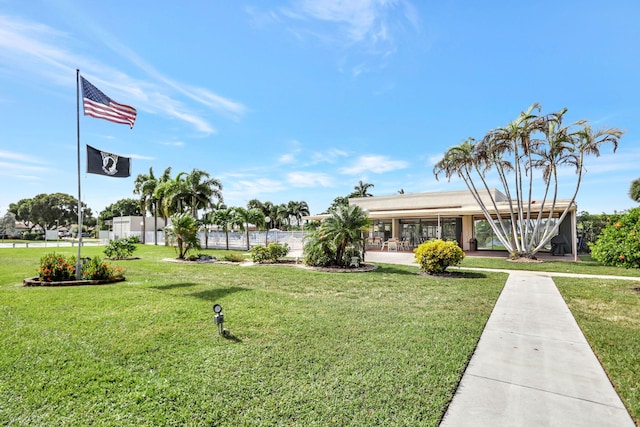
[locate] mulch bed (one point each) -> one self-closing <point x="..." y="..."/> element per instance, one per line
<point x="34" y="281"/>
<point x="284" y="263"/>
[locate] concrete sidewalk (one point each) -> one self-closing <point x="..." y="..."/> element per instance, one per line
<point x="534" y="367"/>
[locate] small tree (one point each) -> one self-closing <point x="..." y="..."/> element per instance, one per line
<point x="120" y="248"/>
<point x="183" y="232"/>
<point x="7" y="224"/>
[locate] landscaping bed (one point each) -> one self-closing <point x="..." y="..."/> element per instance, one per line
<point x="34" y="281"/>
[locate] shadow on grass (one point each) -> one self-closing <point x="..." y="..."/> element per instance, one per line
<point x="456" y="275"/>
<point x="215" y="294"/>
<point x="211" y="295"/>
<point x="229" y="336"/>
<point x="175" y="286"/>
<point x="391" y="269"/>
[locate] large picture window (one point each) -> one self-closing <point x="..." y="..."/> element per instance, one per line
<point x="487" y="239"/>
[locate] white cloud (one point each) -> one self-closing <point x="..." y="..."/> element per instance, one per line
<point x="7" y="168"/>
<point x="19" y="157"/>
<point x="373" y="164"/>
<point x="173" y="144"/>
<point x="287" y="158"/>
<point x="34" y="48"/>
<point x="309" y="179"/>
<point x="18" y="165"/>
<point x="140" y="157"/>
<point x="328" y="156"/>
<point x="370" y="26"/>
<point x="257" y="186"/>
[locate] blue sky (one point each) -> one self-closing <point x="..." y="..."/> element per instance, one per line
<point x="299" y="100"/>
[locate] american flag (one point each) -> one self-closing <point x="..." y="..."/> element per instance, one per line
<point x="97" y="104"/>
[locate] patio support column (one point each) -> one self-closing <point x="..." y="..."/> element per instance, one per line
<point x="395" y="227"/>
<point x="574" y="237"/>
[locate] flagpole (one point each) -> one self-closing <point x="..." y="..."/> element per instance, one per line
<point x="79" y="260"/>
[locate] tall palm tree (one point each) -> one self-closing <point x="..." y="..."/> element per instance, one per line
<point x="157" y="201"/>
<point x="243" y="217"/>
<point x="530" y="144"/>
<point x="298" y="209"/>
<point x="164" y="193"/>
<point x="199" y="190"/>
<point x="170" y="192"/>
<point x="223" y="218"/>
<point x="255" y="203"/>
<point x="143" y="186"/>
<point x="362" y="190"/>
<point x="280" y="215"/>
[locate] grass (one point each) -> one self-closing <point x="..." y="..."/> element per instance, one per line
<point x="307" y="348"/>
<point x="587" y="265"/>
<point x="608" y="312"/>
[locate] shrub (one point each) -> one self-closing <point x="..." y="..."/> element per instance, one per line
<point x="436" y="255"/>
<point x="318" y="252"/>
<point x="120" y="248"/>
<point x="619" y="243"/>
<point x="350" y="253"/>
<point x="26" y="235"/>
<point x="271" y="253"/>
<point x="233" y="257"/>
<point x="95" y="269"/>
<point x="56" y="268"/>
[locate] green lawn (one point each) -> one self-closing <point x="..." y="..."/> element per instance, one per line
<point x="586" y="265"/>
<point x="308" y="348"/>
<point x="608" y="312"/>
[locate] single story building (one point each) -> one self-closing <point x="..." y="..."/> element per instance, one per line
<point x="127" y="226"/>
<point x="451" y="215"/>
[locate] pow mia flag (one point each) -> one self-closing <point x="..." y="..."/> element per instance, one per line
<point x="103" y="163"/>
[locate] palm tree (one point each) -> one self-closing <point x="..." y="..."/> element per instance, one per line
<point x="255" y="203"/>
<point x="634" y="191"/>
<point x="529" y="144"/>
<point x="362" y="190"/>
<point x="157" y="201"/>
<point x="144" y="185"/>
<point x="302" y="209"/>
<point x="297" y="210"/>
<point x="169" y="193"/>
<point x="198" y="189"/>
<point x="243" y="217"/>
<point x="184" y="232"/>
<point x="165" y="193"/>
<point x="281" y="215"/>
<point x="223" y="218"/>
<point x="345" y="227"/>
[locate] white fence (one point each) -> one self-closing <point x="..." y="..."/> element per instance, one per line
<point x="237" y="239"/>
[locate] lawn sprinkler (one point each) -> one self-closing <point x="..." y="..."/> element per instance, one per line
<point x="219" y="319"/>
